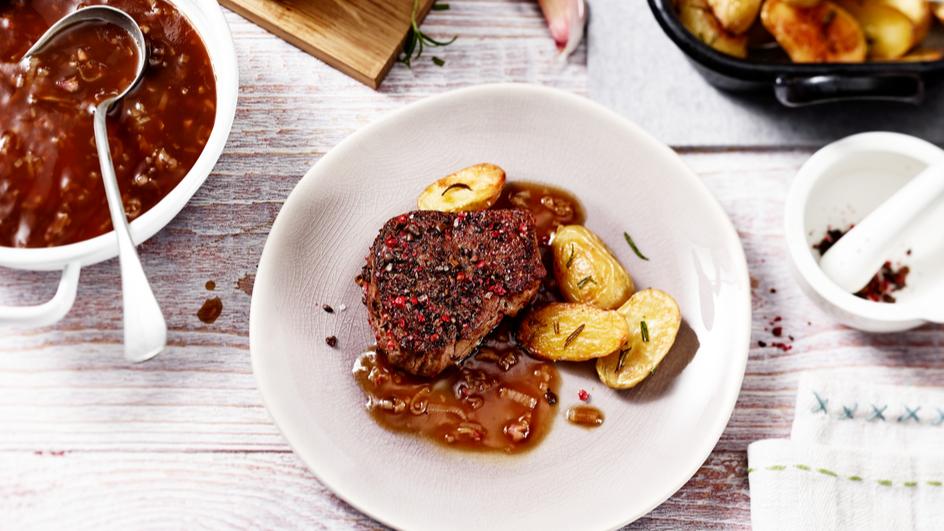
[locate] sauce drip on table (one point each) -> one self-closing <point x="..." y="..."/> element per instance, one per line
<point x="50" y="186"/>
<point x="500" y="399"/>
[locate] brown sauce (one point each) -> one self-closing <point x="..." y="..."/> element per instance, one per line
<point x="500" y="399"/>
<point x="496" y="401"/>
<point x="50" y="183"/>
<point x="211" y="310"/>
<point x="586" y="416"/>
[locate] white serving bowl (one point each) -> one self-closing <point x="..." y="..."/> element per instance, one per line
<point x="840" y="185"/>
<point x="207" y="18"/>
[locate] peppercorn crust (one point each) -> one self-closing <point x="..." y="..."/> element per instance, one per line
<point x="436" y="283"/>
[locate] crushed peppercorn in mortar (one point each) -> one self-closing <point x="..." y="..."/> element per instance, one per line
<point x="888" y="280"/>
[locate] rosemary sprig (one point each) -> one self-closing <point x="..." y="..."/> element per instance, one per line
<point x="573" y="335"/>
<point x="416" y="40"/>
<point x="632" y="245"/>
<point x="644" y="329"/>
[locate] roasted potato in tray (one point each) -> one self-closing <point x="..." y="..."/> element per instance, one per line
<point x="737" y="16"/>
<point x="473" y="188"/>
<point x="921" y="55"/>
<point x="572" y="332"/>
<point x="586" y="271"/>
<point x="654" y="319"/>
<point x="889" y="32"/>
<point x="700" y="20"/>
<point x="918" y="11"/>
<point x="824" y="33"/>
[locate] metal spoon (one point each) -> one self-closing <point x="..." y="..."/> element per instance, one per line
<point x="145" y="331"/>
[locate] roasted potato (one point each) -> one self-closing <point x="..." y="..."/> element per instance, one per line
<point x="698" y="18"/>
<point x="889" y="32"/>
<point x="939" y="12"/>
<point x="654" y="319"/>
<point x="586" y="271"/>
<point x="572" y="332"/>
<point x="804" y="3"/>
<point x="921" y="55"/>
<point x="918" y="11"/>
<point x="473" y="188"/>
<point x="737" y="16"/>
<point x="824" y="33"/>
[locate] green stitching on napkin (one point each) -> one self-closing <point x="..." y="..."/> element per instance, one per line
<point x="849" y="413"/>
<point x="940" y="420"/>
<point x="878" y="413"/>
<point x="858" y="479"/>
<point x="822" y="404"/>
<point x="910" y="414"/>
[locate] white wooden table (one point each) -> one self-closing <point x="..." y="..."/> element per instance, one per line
<point x="88" y="441"/>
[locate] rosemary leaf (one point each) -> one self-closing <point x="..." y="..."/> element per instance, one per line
<point x="571" y="259"/>
<point x="632" y="245"/>
<point x="438" y="61"/>
<point x="584" y="281"/>
<point x="573" y="335"/>
<point x="622" y="357"/>
<point x="644" y="329"/>
<point x="452" y="187"/>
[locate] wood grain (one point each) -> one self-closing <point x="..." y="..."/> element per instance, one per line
<point x="358" y="37"/>
<point x="88" y="441"/>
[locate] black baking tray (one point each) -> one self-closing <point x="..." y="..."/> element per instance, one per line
<point x="797" y="85"/>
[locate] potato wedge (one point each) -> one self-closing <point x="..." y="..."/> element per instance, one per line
<point x="939" y="12"/>
<point x="804" y="3"/>
<point x="918" y="11"/>
<point x="824" y="33"/>
<point x="737" y="16"/>
<point x="697" y="17"/>
<point x="473" y="188"/>
<point x="572" y="332"/>
<point x="889" y="32"/>
<point x="586" y="271"/>
<point x="648" y="343"/>
<point x="922" y="55"/>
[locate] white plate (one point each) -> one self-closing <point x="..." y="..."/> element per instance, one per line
<point x="654" y="438"/>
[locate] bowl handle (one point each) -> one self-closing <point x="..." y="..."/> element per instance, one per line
<point x="48" y="312"/>
<point x="803" y="91"/>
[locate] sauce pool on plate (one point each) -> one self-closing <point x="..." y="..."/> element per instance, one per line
<point x="501" y="399"/>
<point x="50" y="183"/>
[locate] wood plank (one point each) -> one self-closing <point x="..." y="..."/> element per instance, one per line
<point x="358" y="37"/>
<point x="186" y="435"/>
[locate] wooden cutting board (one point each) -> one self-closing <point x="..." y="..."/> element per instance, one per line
<point x="358" y="37"/>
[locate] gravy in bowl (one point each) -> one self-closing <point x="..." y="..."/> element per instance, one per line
<point x="50" y="187"/>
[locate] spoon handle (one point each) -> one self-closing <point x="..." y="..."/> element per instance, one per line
<point x="145" y="330"/>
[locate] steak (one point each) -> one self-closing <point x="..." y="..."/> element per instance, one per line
<point x="436" y="283"/>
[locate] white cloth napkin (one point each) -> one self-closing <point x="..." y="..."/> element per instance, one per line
<point x="861" y="457"/>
